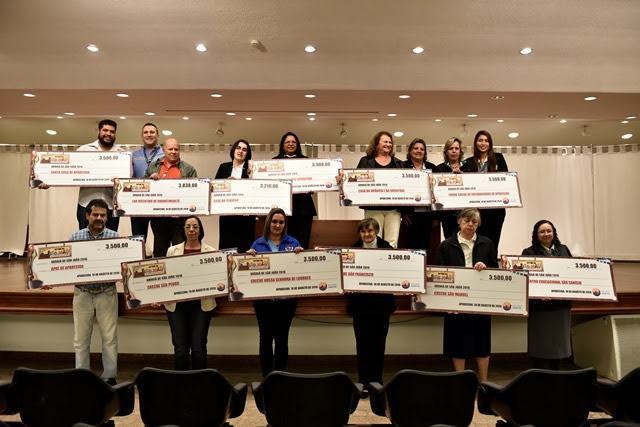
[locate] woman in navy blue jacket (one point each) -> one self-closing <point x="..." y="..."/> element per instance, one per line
<point x="275" y="315"/>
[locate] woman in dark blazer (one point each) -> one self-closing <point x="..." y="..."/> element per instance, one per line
<point x="549" y="325"/>
<point x="371" y="313"/>
<point x="486" y="160"/>
<point x="453" y="154"/>
<point x="237" y="231"/>
<point x="468" y="335"/>
<point x="303" y="208"/>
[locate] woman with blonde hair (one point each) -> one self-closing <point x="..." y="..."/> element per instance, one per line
<point x="452" y="154"/>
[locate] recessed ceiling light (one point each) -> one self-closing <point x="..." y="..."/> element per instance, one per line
<point x="417" y="49"/>
<point x="497" y="97"/>
<point x="374" y="120"/>
<point x="552" y="116"/>
<point x="51" y="132"/>
<point x="513" y="135"/>
<point x="310" y="48"/>
<point x="216" y="95"/>
<point x="624" y="122"/>
<point x="500" y="120"/>
<point x="200" y="47"/>
<point x="404" y="96"/>
<point x="590" y="98"/>
<point x="472" y="115"/>
<point x="311" y="114"/>
<point x="398" y="133"/>
<point x="29" y="95"/>
<point x="167" y="132"/>
<point x="231" y="114"/>
<point x="438" y="120"/>
<point x="563" y="121"/>
<point x="122" y="95"/>
<point x="630" y="117"/>
<point x="185" y="117"/>
<point x="69" y="114"/>
<point x="149" y="113"/>
<point x="309" y="95"/>
<point x="526" y="51"/>
<point x="248" y="118"/>
<point x="93" y="48"/>
<point x="312" y="118"/>
<point x="627" y="136"/>
<point x="123" y="117"/>
<point x="59" y="117"/>
<point x="392" y="115"/>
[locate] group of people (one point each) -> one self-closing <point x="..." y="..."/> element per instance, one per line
<point x="471" y="240"/>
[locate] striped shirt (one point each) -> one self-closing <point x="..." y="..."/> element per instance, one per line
<point x="85" y="234"/>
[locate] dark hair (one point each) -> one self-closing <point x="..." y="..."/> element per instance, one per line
<point x="267" y="222"/>
<point x="373" y="144"/>
<point x="235" y="145"/>
<point x="535" y="242"/>
<point x="107" y="122"/>
<point x="200" y="234"/>
<point x="491" y="156"/>
<point x="149" y="124"/>
<point x="413" y="143"/>
<point x="281" y="148"/>
<point x="369" y="222"/>
<point x="98" y="203"/>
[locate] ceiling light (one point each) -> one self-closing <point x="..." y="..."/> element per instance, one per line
<point x="69" y="114"/>
<point x="185" y="118"/>
<point x="93" y="48"/>
<point x="220" y="131"/>
<point x="513" y="135"/>
<point x="472" y="115"/>
<point x="497" y="97"/>
<point x="585" y="130"/>
<point x="312" y="118"/>
<point x="29" y="95"/>
<point x="167" y="132"/>
<point x="590" y="98"/>
<point x="123" y="117"/>
<point x="526" y="51"/>
<point x="392" y="115"/>
<point x="248" y="118"/>
<point x="200" y="47"/>
<point x="404" y="96"/>
<point x="51" y="132"/>
<point x="216" y="95"/>
<point x="311" y="114"/>
<point x="310" y="48"/>
<point x="627" y="136"/>
<point x="310" y="95"/>
<point x="630" y="117"/>
<point x="398" y="133"/>
<point x="438" y="120"/>
<point x="122" y="95"/>
<point x="374" y="120"/>
<point x="563" y="121"/>
<point x="59" y="117"/>
<point x="417" y="49"/>
<point x="500" y="120"/>
<point x="149" y="113"/>
<point x="231" y="114"/>
<point x="343" y="131"/>
<point x="552" y="116"/>
<point x="624" y="122"/>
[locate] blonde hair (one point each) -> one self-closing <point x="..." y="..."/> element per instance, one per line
<point x="448" y="145"/>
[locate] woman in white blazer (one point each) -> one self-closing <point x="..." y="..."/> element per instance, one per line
<point x="189" y="320"/>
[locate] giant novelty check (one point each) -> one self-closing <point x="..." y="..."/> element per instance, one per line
<point x="566" y="278"/>
<point x="383" y="270"/>
<point x="475" y="190"/>
<point x="162" y="197"/>
<point x="249" y="196"/>
<point x="79" y="168"/>
<point x="308" y="175"/>
<point x="176" y="278"/>
<point x="465" y="290"/>
<point x="80" y="262"/>
<point x="390" y="187"/>
<point x="285" y="274"/>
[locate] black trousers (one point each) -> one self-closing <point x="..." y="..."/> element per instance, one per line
<point x="140" y="226"/>
<point x="449" y="220"/>
<point x="237" y="232"/>
<point x="299" y="226"/>
<point x="419" y="232"/>
<point x="189" y="330"/>
<point x="274" y="321"/>
<point x="371" y="338"/>
<point x="81" y="215"/>
<point x="167" y="231"/>
<point x="491" y="224"/>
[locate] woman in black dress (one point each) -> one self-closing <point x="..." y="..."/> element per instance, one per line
<point x="468" y="335"/>
<point x="453" y="154"/>
<point x="237" y="231"/>
<point x="549" y="325"/>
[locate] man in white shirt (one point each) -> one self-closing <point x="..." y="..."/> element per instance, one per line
<point x="106" y="142"/>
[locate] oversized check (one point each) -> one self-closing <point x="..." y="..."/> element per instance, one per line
<point x="80" y="262"/>
<point x="178" y="278"/>
<point x="285" y="274"/>
<point x="465" y="290"/>
<point x="79" y="168"/>
<point x="383" y="270"/>
<point x="475" y="190"/>
<point x="390" y="187"/>
<point x="308" y="175"/>
<point x="566" y="278"/>
<point x="249" y="196"/>
<point x="162" y="197"/>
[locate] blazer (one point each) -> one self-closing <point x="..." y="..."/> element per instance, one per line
<point x="408" y="164"/>
<point x="372" y="304"/>
<point x="367" y="162"/>
<point x="451" y="254"/>
<point x="301" y="203"/>
<point x="206" y="304"/>
<point x="560" y="250"/>
<point x="224" y="170"/>
<point x="445" y="168"/>
<point x="470" y="164"/>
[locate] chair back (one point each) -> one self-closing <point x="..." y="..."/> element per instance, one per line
<point x="622" y="399"/>
<point x="183" y="398"/>
<point x="62" y="397"/>
<point x="543" y="398"/>
<point x="310" y="400"/>
<point x="418" y="398"/>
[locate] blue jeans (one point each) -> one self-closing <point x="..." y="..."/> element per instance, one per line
<point x="189" y="331"/>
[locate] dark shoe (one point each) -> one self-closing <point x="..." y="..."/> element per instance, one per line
<point x="111" y="381"/>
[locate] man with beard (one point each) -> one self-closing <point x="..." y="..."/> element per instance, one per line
<point x="106" y="142"/>
<point x="96" y="301"/>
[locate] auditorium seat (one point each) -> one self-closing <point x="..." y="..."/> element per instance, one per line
<point x="621" y="400"/>
<point x="195" y="398"/>
<point x="417" y="398"/>
<point x="67" y="396"/>
<point x="541" y="398"/>
<point x="310" y="400"/>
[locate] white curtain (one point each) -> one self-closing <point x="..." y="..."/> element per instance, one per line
<point x="14" y="197"/>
